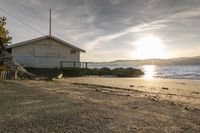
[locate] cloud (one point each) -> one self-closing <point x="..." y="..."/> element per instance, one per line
<point x="134" y="29"/>
<point x="162" y="23"/>
<point x="101" y="25"/>
<point x="115" y="2"/>
<point x="190" y="52"/>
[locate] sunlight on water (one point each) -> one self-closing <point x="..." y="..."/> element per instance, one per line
<point x="149" y="71"/>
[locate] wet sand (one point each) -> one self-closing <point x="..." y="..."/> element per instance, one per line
<point x="186" y="91"/>
<point x="100" y="105"/>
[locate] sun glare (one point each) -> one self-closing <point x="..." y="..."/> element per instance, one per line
<point x="149" y="71"/>
<point x="150" y="47"/>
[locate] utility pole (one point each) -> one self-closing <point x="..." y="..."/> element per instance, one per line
<point x="50" y="22"/>
<point x="50" y="40"/>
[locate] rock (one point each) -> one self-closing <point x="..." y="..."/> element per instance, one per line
<point x="172" y="103"/>
<point x="164" y="88"/>
<point x="196" y="109"/>
<point x="135" y="107"/>
<point x="98" y="89"/>
<point x="8" y="60"/>
<point x="154" y="98"/>
<point x="132" y="86"/>
<point x="186" y="108"/>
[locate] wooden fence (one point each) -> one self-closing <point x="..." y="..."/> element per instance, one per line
<point x="8" y="74"/>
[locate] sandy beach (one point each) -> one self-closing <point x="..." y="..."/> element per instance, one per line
<point x="185" y="91"/>
<point x="93" y="104"/>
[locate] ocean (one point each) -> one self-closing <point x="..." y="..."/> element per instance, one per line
<point x="169" y="72"/>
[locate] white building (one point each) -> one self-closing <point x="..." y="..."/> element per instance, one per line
<point x="45" y="52"/>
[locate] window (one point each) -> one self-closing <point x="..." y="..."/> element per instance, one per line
<point x="73" y="51"/>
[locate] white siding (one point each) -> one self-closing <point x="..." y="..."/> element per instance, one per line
<point x="44" y="54"/>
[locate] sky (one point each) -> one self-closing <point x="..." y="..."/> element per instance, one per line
<point x="111" y="29"/>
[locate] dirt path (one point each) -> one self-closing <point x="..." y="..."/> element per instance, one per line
<point x="40" y="106"/>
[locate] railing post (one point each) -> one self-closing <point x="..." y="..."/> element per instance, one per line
<point x="61" y="65"/>
<point x="74" y="65"/>
<point x="86" y="67"/>
<point x="86" y="64"/>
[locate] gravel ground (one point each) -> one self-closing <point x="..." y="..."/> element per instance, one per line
<point x="41" y="106"/>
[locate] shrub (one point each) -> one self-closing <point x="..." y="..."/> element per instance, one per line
<point x="127" y="72"/>
<point x="119" y="72"/>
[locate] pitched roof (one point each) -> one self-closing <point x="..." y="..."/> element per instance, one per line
<point x="45" y="37"/>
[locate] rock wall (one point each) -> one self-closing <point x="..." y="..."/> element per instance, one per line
<point x="8" y="60"/>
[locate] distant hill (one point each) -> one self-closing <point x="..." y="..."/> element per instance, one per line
<point x="175" y="61"/>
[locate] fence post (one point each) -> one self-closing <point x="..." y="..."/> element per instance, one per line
<point x="1" y="74"/>
<point x="15" y="77"/>
<point x="4" y="73"/>
<point x="8" y="75"/>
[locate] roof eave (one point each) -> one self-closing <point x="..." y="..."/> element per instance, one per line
<point x="81" y="50"/>
<point x="44" y="37"/>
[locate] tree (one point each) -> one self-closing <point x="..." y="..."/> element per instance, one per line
<point x="5" y="39"/>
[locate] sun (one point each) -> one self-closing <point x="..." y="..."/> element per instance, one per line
<point x="149" y="46"/>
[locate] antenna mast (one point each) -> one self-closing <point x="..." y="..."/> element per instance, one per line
<point x="50" y="22"/>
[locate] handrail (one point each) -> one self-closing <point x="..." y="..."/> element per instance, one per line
<point x="74" y="64"/>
